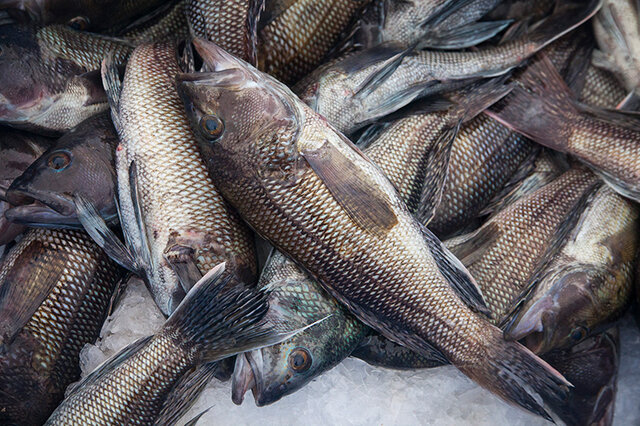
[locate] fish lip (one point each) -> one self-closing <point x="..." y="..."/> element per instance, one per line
<point x="247" y="374"/>
<point x="28" y="208"/>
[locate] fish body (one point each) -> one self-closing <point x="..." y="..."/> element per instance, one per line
<point x="217" y="319"/>
<point x="280" y="370"/>
<point x="183" y="217"/>
<point x="588" y="284"/>
<point x="80" y="162"/>
<point x="281" y="169"/>
<point x="605" y="140"/>
<point x="57" y="286"/>
<point x="232" y="25"/>
<point x="294" y="41"/>
<point x="601" y="89"/>
<point x="372" y="83"/>
<point x="617" y="30"/>
<point x="46" y="80"/>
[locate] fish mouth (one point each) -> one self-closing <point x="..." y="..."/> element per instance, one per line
<point x="533" y="330"/>
<point x="247" y="374"/>
<point x="29" y="209"/>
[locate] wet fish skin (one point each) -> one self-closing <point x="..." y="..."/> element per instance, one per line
<point x="351" y="92"/>
<point x="80" y="162"/>
<point x="17" y="151"/>
<point x="589" y="283"/>
<point x="592" y="367"/>
<point x="232" y="24"/>
<point x="75" y="280"/>
<point x="385" y="268"/>
<point x="617" y="30"/>
<point x="601" y="89"/>
<point x="607" y="141"/>
<point x="46" y="84"/>
<point x="184" y="217"/>
<point x="94" y="15"/>
<point x="217" y="319"/>
<point x="276" y="371"/>
<point x="504" y="253"/>
<point x="311" y="29"/>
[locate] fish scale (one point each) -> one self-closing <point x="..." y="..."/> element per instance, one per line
<point x="176" y="194"/>
<point x="44" y="358"/>
<point x="601" y="89"/>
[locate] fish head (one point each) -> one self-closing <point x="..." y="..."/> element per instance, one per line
<point x="80" y="162"/>
<point x="235" y="108"/>
<point x="562" y="317"/>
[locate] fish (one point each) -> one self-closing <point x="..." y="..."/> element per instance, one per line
<point x="49" y="78"/>
<point x="372" y="83"/>
<point x="80" y="162"/>
<point x="429" y="23"/>
<point x="588" y="284"/>
<point x="276" y="371"/>
<point x="592" y="366"/>
<point x="233" y="25"/>
<point x="545" y="111"/>
<point x="176" y="224"/>
<point x="378" y="351"/>
<point x="55" y="290"/>
<point x="504" y="253"/>
<point x="86" y="15"/>
<point x="617" y="31"/>
<point x="283" y="167"/>
<point x="601" y="89"/>
<point x="218" y="318"/>
<point x="310" y="29"/>
<point x="421" y="151"/>
<point x="17" y="151"/>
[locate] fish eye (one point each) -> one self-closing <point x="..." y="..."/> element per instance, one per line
<point x="300" y="360"/>
<point x="211" y="126"/>
<point x="578" y="333"/>
<point x="59" y="161"/>
<point x="79" y="23"/>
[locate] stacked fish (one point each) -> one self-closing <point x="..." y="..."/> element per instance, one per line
<point x="433" y="181"/>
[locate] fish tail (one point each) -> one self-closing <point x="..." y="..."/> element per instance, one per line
<point x="541" y="107"/>
<point x="566" y="18"/>
<point x="517" y="375"/>
<point x="223" y="317"/>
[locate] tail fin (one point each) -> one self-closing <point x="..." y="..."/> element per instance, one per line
<point x="565" y="19"/>
<point x="227" y="319"/>
<point x="541" y="109"/>
<point x="515" y="374"/>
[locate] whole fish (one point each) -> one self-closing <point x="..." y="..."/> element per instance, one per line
<point x="592" y="367"/>
<point x="17" y="151"/>
<point x="217" y="319"/>
<point x="617" y="30"/>
<point x="428" y="22"/>
<point x="233" y="25"/>
<point x="275" y="371"/>
<point x="545" y="111"/>
<point x="316" y="197"/>
<point x="80" y="162"/>
<point x="46" y="80"/>
<point x="504" y="253"/>
<point x="94" y="15"/>
<point x="588" y="284"/>
<point x="296" y="40"/>
<point x="175" y="222"/>
<point x="372" y="83"/>
<point x="55" y="286"/>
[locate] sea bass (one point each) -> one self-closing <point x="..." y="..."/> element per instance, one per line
<point x="176" y="223"/>
<point x="545" y="111"/>
<point x="284" y="168"/>
<point x="589" y="282"/>
<point x="372" y="83"/>
<point x="48" y="76"/>
<point x="217" y="319"/>
<point x="56" y="286"/>
<point x="80" y="162"/>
